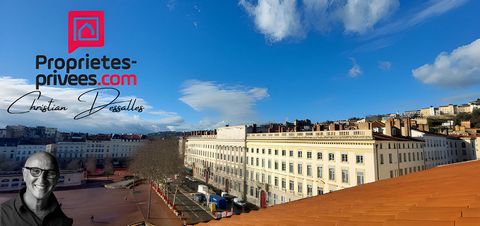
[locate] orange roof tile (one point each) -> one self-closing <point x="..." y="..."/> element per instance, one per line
<point x="442" y="196"/>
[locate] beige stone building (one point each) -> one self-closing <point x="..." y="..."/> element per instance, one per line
<point x="273" y="168"/>
<point x="447" y="110"/>
<point x="219" y="159"/>
<point x="472" y="145"/>
<point x="283" y="167"/>
<point x="441" y="149"/>
<point x="427" y="112"/>
<point x="465" y="108"/>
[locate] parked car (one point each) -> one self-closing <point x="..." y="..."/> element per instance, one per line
<point x="199" y="197"/>
<point x="239" y="202"/>
<point x="228" y="197"/>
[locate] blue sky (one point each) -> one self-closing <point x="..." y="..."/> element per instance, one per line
<point x="203" y="64"/>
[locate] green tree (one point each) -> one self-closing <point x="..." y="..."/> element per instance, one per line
<point x="475" y="118"/>
<point x="462" y="117"/>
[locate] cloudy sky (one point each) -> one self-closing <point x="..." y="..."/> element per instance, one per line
<point x="204" y="64"/>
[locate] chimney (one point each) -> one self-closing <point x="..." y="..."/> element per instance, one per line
<point x="397" y="123"/>
<point x="331" y="127"/>
<point x="409" y="127"/>
<point x="388" y="127"/>
<point x="406" y="129"/>
<point x="421" y="127"/>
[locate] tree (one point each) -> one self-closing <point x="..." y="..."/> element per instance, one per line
<point x="475" y="120"/>
<point x="462" y="116"/>
<point x="6" y="164"/>
<point x="108" y="166"/>
<point x="473" y="117"/>
<point x="158" y="160"/>
<point x="91" y="165"/>
<point x="74" y="164"/>
<point x="372" y="118"/>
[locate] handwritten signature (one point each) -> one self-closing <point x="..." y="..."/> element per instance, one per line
<point x="113" y="105"/>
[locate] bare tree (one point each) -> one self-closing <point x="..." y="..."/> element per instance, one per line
<point x="74" y="164"/>
<point x="158" y="160"/>
<point x="7" y="164"/>
<point x="91" y="165"/>
<point x="108" y="166"/>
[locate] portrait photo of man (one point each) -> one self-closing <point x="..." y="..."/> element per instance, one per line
<point x="36" y="204"/>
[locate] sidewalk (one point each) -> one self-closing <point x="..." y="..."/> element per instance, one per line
<point x="109" y="206"/>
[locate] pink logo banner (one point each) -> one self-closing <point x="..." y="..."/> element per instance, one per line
<point x="85" y="29"/>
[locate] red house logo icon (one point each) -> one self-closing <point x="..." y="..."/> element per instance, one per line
<point x="85" y="29"/>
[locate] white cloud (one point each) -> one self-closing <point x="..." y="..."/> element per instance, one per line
<point x="102" y="121"/>
<point x="384" y="65"/>
<point x="277" y="19"/>
<point x="359" y="16"/>
<point x="422" y="13"/>
<point x="435" y="8"/>
<point x="168" y="117"/>
<point x="163" y="113"/>
<point x="355" y="70"/>
<point x="226" y="104"/>
<point x="458" y="69"/>
<point x="282" y="19"/>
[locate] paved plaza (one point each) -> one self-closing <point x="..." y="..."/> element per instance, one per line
<point x="110" y="206"/>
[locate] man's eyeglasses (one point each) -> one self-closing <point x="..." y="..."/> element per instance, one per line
<point x="36" y="172"/>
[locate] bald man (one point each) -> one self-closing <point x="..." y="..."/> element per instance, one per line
<point x="36" y="204"/>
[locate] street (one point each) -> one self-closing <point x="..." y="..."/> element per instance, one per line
<point x="191" y="211"/>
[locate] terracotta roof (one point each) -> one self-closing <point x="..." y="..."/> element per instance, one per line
<point x="442" y="196"/>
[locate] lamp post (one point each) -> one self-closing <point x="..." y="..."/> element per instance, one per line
<point x="149" y="199"/>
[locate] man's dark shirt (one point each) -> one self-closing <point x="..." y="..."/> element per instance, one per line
<point x="16" y="213"/>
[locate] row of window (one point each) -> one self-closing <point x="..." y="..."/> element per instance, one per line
<point x="401" y="145"/>
<point x="260" y="177"/>
<point x="291" y="153"/>
<point x="359" y="159"/>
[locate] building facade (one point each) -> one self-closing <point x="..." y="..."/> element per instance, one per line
<point x="283" y="167"/>
<point x="448" y="109"/>
<point x="114" y="146"/>
<point x="441" y="149"/>
<point x="427" y="112"/>
<point x="25" y="150"/>
<point x="219" y="159"/>
<point x="274" y="168"/>
<point x="70" y="150"/>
